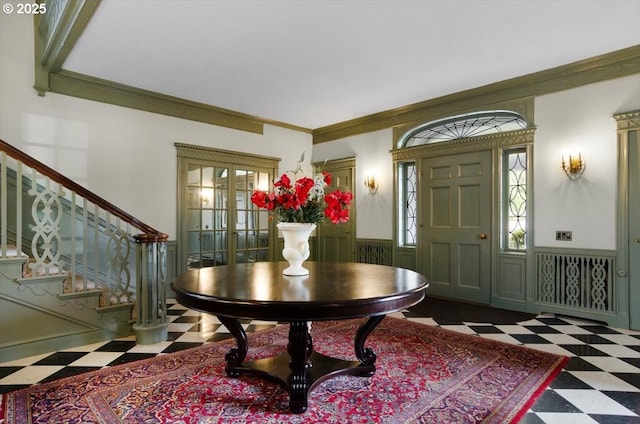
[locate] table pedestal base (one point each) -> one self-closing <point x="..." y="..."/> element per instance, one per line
<point x="300" y="369"/>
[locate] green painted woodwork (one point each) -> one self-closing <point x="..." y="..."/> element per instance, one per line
<point x="56" y="32"/>
<point x="405" y="257"/>
<point x="510" y="292"/>
<point x="501" y="294"/>
<point x="90" y="88"/>
<point x="634" y="229"/>
<point x="579" y="282"/>
<point x="336" y="242"/>
<point x="628" y="223"/>
<point x="457" y="210"/>
<point x="374" y="251"/>
<point x="612" y="65"/>
<point x="223" y="230"/>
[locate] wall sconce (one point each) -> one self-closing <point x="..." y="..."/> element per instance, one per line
<point x="574" y="167"/>
<point x="206" y="197"/>
<point x="371" y="184"/>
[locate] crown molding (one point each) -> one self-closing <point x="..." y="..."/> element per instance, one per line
<point x="225" y="156"/>
<point x="91" y="88"/>
<point x="336" y="164"/>
<point x="619" y="63"/>
<point x="57" y="31"/>
<point x="628" y="120"/>
<point x="100" y="90"/>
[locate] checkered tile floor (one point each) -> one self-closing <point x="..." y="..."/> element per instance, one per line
<point x="600" y="384"/>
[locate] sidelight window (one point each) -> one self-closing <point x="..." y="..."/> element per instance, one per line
<point x="514" y="199"/>
<point x="408" y="204"/>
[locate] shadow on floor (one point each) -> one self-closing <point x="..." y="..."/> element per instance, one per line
<point x="444" y="310"/>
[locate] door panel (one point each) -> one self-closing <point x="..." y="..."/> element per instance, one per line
<point x="470" y="256"/>
<point x="441" y="209"/>
<point x="336" y="241"/>
<point x="457" y="193"/>
<point x="440" y="254"/>
<point x="469" y="199"/>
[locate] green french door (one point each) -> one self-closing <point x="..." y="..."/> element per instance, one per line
<point x="336" y="242"/>
<point x="457" y="211"/>
<point x="217" y="223"/>
<point x="223" y="226"/>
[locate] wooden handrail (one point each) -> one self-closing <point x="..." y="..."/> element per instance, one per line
<point x="78" y="189"/>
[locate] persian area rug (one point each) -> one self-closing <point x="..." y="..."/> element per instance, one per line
<point x="424" y="374"/>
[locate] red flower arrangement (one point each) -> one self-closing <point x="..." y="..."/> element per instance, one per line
<point x="304" y="200"/>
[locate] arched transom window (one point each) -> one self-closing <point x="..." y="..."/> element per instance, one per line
<point x="463" y="126"/>
<point x="514" y="172"/>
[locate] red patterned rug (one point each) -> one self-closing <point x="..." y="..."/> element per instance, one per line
<point x="424" y="375"/>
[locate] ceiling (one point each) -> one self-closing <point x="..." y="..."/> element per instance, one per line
<point x="313" y="63"/>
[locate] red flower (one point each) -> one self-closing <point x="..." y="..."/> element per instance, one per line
<point x="303" y="185"/>
<point x="259" y="198"/>
<point x="283" y="182"/>
<point x="304" y="200"/>
<point x="337" y="203"/>
<point x="327" y="177"/>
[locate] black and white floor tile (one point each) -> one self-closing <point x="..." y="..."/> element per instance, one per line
<point x="600" y="383"/>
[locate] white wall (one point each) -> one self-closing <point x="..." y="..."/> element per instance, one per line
<point x="373" y="157"/>
<point x="580" y="120"/>
<point x="574" y="119"/>
<point x="126" y="156"/>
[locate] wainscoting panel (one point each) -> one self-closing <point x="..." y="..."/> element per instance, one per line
<point x="512" y="281"/>
<point x="576" y="283"/>
<point x="406" y="258"/>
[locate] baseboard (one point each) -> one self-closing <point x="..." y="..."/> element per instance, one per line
<point x="39" y="347"/>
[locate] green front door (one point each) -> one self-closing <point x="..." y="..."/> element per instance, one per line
<point x="457" y="214"/>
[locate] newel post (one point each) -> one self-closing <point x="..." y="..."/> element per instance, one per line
<point x="151" y="303"/>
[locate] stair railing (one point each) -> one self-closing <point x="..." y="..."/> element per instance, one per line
<point x="66" y="230"/>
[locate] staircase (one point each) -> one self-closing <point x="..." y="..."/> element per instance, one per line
<point x="74" y="269"/>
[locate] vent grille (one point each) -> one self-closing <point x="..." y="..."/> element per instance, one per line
<point x="578" y="282"/>
<point x="378" y="252"/>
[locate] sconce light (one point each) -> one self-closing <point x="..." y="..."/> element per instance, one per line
<point x="574" y="167"/>
<point x="206" y="197"/>
<point x="371" y="184"/>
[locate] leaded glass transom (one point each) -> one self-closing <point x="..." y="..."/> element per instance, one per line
<point x="463" y="126"/>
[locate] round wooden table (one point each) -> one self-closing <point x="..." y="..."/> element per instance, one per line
<point x="330" y="292"/>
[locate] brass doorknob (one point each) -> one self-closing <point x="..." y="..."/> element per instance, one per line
<point x="637" y="240"/>
<point x="483" y="236"/>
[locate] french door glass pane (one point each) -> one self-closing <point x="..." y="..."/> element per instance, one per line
<point x="220" y="197"/>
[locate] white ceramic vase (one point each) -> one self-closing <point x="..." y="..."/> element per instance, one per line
<point x="296" y="246"/>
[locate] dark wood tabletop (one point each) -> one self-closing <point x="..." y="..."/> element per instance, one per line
<point x="330" y="291"/>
